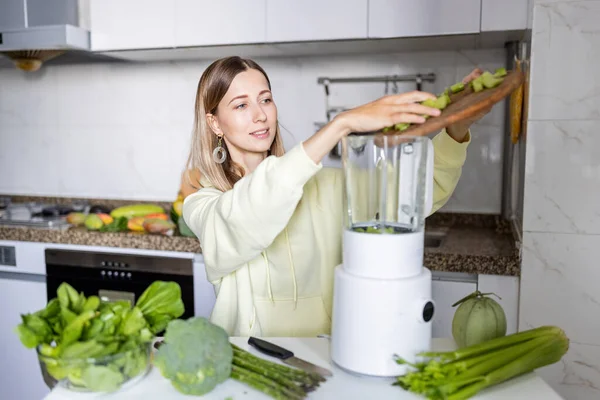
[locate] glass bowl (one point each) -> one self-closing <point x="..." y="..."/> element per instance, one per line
<point x="102" y="374"/>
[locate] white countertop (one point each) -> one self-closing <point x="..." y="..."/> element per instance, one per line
<point x="340" y="386"/>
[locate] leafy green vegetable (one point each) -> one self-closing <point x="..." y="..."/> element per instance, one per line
<point x="195" y="356"/>
<point x="160" y="303"/>
<point x="96" y="345"/>
<point x="118" y="224"/>
<point x="72" y="331"/>
<point x="27" y="336"/>
<point x="133" y="321"/>
<point x="101" y="378"/>
<point x="91" y="304"/>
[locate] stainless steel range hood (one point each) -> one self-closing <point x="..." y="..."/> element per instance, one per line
<point x="34" y="31"/>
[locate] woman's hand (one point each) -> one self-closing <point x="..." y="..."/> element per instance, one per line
<point x="387" y="111"/>
<point x="373" y="116"/>
<point x="458" y="131"/>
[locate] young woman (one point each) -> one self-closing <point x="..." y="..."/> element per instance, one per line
<point x="270" y="222"/>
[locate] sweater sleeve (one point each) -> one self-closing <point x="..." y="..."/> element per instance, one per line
<point x="235" y="226"/>
<point x="449" y="158"/>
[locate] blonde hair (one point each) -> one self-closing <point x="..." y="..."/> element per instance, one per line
<point x="213" y="85"/>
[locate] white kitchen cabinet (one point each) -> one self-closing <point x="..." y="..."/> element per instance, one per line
<point x="290" y="20"/>
<point x="20" y="375"/>
<point x="507" y="288"/>
<point x="204" y="291"/>
<point x="132" y="24"/>
<point x="504" y="15"/>
<point x="12" y="15"/>
<point x="409" y="18"/>
<point x="225" y="22"/>
<point x="444" y="294"/>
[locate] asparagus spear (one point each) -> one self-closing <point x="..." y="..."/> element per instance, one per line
<point x="297" y="374"/>
<point x="269" y="374"/>
<point x="275" y="380"/>
<point x="244" y="376"/>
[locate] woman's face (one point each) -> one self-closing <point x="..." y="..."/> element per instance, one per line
<point x="247" y="115"/>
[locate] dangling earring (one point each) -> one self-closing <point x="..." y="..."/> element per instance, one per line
<point x="219" y="153"/>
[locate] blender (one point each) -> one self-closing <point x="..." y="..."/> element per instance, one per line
<point x="382" y="303"/>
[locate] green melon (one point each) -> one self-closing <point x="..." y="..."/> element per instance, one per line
<point x="478" y="319"/>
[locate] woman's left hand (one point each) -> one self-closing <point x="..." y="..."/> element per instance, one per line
<point x="458" y="131"/>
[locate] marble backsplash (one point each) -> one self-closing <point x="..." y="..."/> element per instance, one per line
<point x="559" y="271"/>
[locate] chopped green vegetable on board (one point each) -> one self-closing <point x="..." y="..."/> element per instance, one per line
<point x="500" y="72"/>
<point x="461" y="374"/>
<point x="73" y="331"/>
<point x="485" y="81"/>
<point x="477" y="85"/>
<point x="457" y="87"/>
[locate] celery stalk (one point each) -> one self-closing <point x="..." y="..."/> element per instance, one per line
<point x="493" y="344"/>
<point x="460" y="374"/>
<point x="502" y="357"/>
<point x="476" y="368"/>
<point x="549" y="352"/>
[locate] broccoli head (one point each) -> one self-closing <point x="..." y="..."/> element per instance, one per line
<point x="195" y="356"/>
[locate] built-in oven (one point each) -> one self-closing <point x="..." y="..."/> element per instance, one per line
<point x="117" y="276"/>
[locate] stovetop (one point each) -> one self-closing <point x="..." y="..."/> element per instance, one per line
<point x="38" y="215"/>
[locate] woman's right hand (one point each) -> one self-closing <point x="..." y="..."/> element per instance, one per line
<point x="387" y="111"/>
<point x="373" y="116"/>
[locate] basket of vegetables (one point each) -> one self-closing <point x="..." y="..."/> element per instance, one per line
<point x="85" y="344"/>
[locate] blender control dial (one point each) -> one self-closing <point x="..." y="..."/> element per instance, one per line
<point x="425" y="310"/>
<point x="428" y="310"/>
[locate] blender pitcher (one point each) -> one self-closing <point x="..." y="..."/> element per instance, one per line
<point x="382" y="301"/>
<point x="388" y="193"/>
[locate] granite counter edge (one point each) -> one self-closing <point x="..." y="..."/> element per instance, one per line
<point x="466" y="263"/>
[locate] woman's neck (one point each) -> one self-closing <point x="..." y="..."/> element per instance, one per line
<point x="247" y="160"/>
<point x="252" y="160"/>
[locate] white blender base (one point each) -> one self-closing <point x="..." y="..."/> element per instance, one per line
<point x="375" y="319"/>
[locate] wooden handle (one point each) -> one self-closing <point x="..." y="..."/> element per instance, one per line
<point x="516" y="109"/>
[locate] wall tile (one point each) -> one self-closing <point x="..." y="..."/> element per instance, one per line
<point x="562" y="182"/>
<point x="96" y="162"/>
<point x="559" y="278"/>
<point x="479" y="189"/>
<point x="577" y="375"/>
<point x="31" y="164"/>
<point x="565" y="53"/>
<point x="28" y="99"/>
<point x="559" y="284"/>
<point x="100" y="94"/>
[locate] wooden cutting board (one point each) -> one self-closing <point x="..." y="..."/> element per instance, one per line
<point x="467" y="104"/>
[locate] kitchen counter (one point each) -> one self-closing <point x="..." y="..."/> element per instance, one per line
<point x="81" y="236"/>
<point x="471" y="243"/>
<point x="467" y="243"/>
<point x="341" y="386"/>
